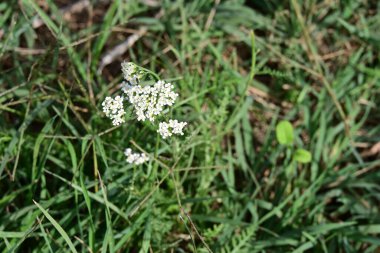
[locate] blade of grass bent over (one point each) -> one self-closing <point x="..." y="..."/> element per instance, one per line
<point x="58" y="227"/>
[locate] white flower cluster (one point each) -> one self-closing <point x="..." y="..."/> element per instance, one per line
<point x="131" y="72"/>
<point x="114" y="109"/>
<point x="172" y="127"/>
<point x="150" y="101"/>
<point x="135" y="158"/>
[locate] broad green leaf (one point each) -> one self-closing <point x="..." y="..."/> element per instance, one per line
<point x="284" y="133"/>
<point x="302" y="156"/>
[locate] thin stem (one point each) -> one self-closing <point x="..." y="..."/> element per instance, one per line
<point x="150" y="73"/>
<point x="96" y="173"/>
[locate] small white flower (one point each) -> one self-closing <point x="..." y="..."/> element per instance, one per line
<point x="135" y="158"/>
<point x="172" y="127"/>
<point x="114" y="109"/>
<point x="150" y="101"/>
<point x="163" y="130"/>
<point x="131" y="72"/>
<point x="125" y="86"/>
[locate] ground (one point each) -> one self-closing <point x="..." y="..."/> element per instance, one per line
<point x="280" y="153"/>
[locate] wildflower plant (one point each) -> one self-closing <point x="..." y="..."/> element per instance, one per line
<point x="148" y="101"/>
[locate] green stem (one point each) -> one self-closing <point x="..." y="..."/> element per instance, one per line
<point x="156" y="155"/>
<point x="150" y="73"/>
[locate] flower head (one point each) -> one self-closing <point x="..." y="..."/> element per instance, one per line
<point x="135" y="158"/>
<point x="131" y="72"/>
<point x="150" y="101"/>
<point x="113" y="108"/>
<point x="167" y="129"/>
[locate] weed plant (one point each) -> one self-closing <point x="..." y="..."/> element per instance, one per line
<point x="281" y="150"/>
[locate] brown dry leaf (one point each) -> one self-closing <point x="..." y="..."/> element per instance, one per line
<point x="374" y="150"/>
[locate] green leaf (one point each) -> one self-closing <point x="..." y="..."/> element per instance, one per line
<point x="302" y="156"/>
<point x="58" y="227"/>
<point x="9" y="234"/>
<point x="370" y="229"/>
<point x="284" y="133"/>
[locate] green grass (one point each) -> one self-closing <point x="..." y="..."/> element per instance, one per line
<point x="228" y="185"/>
